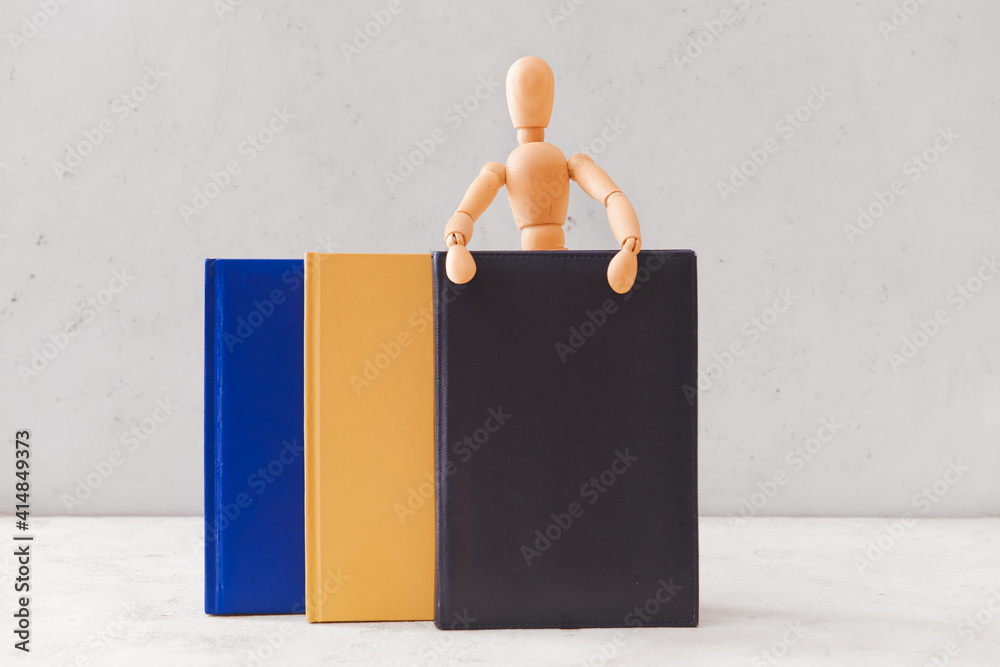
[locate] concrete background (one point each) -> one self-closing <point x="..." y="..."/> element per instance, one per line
<point x="671" y="98"/>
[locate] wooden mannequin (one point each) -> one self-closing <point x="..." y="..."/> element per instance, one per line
<point x="537" y="177"/>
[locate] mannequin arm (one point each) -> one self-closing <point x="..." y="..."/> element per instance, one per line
<point x="621" y="217"/>
<point x="459" y="264"/>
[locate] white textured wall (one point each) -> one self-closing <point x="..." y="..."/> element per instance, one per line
<point x="677" y="128"/>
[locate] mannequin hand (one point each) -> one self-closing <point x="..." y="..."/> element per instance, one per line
<point x="459" y="264"/>
<point x="623" y="266"/>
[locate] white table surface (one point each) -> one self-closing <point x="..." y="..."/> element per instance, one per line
<point x="129" y="591"/>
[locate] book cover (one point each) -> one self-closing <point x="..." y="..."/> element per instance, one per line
<point x="567" y="443"/>
<point x="369" y="430"/>
<point x="254" y="446"/>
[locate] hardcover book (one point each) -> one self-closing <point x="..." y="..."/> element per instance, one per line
<point x="566" y="443"/>
<point x="254" y="544"/>
<point x="369" y="430"/>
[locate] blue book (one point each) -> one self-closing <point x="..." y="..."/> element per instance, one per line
<point x="254" y="472"/>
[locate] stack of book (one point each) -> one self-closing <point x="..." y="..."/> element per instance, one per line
<point x="516" y="452"/>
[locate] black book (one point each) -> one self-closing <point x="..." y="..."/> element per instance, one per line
<point x="566" y="443"/>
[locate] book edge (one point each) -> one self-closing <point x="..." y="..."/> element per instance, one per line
<point x="694" y="437"/>
<point x="439" y="461"/>
<point x="310" y="428"/>
<point x="211" y="436"/>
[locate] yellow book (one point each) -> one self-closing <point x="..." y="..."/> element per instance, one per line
<point x="369" y="437"/>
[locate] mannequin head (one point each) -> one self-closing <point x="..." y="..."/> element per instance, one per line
<point x="530" y="90"/>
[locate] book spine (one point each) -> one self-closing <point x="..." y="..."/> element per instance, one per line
<point x="311" y="353"/>
<point x="440" y="435"/>
<point x="211" y="441"/>
<point x="693" y="375"/>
